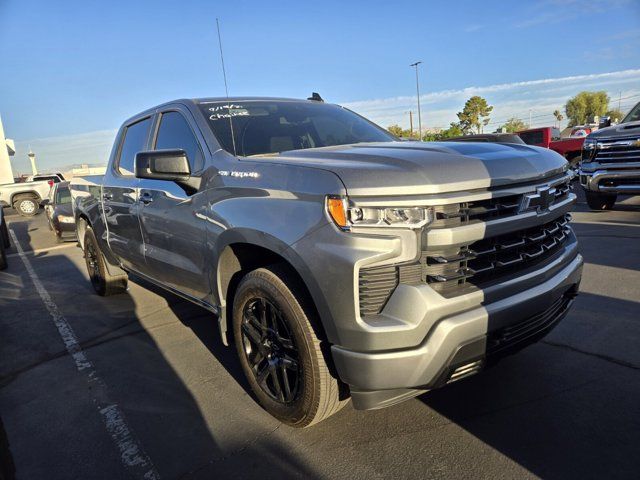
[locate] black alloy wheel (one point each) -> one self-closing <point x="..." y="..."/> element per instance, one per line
<point x="281" y="348"/>
<point x="270" y="350"/>
<point x="93" y="265"/>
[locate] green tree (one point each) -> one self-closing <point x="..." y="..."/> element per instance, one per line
<point x="454" y="130"/>
<point x="514" y="125"/>
<point x="399" y="132"/>
<point x="474" y="115"/>
<point x="585" y="105"/>
<point x="615" y="114"/>
<point x="559" y="116"/>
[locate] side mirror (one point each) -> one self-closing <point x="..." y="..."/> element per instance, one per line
<point x="169" y="165"/>
<point x="605" y="122"/>
<point x="45" y="202"/>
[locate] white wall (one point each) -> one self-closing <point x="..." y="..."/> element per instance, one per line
<point x="6" y="174"/>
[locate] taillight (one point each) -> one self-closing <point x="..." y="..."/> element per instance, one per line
<point x="50" y="182"/>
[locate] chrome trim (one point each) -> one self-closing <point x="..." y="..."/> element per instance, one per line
<point x="594" y="179"/>
<point x="592" y="167"/>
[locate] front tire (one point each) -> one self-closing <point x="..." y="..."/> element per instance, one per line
<point x="27" y="206"/>
<point x="103" y="282"/>
<point x="279" y="349"/>
<point x="600" y="201"/>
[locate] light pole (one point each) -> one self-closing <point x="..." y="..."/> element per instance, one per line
<point x="418" y="93"/>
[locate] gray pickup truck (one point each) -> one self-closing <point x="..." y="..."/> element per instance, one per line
<point x="610" y="164"/>
<point x="341" y="262"/>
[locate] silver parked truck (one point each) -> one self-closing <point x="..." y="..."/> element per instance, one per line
<point x="341" y="262"/>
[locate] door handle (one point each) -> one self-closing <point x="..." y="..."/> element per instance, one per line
<point x="146" y="198"/>
<point x="107" y="196"/>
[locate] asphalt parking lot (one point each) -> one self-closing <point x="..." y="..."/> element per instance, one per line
<point x="139" y="384"/>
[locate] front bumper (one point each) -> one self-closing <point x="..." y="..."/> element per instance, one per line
<point x="459" y="344"/>
<point x="622" y="178"/>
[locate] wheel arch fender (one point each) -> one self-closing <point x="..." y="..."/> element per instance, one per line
<point x="28" y="194"/>
<point x="242" y="250"/>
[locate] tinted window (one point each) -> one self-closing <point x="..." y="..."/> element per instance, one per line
<point x="174" y="132"/>
<point x="135" y="140"/>
<point x="63" y="195"/>
<point x="263" y="127"/>
<point x="532" y="138"/>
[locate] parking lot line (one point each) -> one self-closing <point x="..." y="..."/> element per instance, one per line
<point x="42" y="250"/>
<point x="133" y="457"/>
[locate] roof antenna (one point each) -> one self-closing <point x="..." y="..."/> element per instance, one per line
<point x="226" y="89"/>
<point x="315" y="96"/>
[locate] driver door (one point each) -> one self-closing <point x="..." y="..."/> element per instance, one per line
<point x="174" y="235"/>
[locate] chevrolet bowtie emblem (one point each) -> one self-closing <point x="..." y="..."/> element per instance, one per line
<point x="541" y="200"/>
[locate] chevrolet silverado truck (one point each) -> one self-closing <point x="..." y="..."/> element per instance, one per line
<point x="549" y="137"/>
<point x="610" y="163"/>
<point x="341" y="262"/>
<point x="24" y="197"/>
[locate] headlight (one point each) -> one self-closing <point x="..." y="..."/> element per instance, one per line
<point x="588" y="149"/>
<point x="65" y="219"/>
<point x="398" y="217"/>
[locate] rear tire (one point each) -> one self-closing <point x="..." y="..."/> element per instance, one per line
<point x="600" y="201"/>
<point x="27" y="206"/>
<point x="279" y="349"/>
<point x="103" y="282"/>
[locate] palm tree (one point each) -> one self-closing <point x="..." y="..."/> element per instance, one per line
<point x="558" y="115"/>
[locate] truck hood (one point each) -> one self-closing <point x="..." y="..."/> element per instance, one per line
<point x="622" y="130"/>
<point x="411" y="168"/>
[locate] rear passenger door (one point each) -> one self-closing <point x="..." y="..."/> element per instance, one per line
<point x="120" y="197"/>
<point x="173" y="232"/>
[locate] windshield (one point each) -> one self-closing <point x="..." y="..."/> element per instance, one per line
<point x="633" y="115"/>
<point x="264" y="127"/>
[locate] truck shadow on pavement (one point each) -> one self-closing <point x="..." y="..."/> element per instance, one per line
<point x="44" y="398"/>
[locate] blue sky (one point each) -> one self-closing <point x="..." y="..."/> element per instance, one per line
<point x="73" y="71"/>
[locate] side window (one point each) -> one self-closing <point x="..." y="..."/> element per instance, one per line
<point x="174" y="132"/>
<point x="135" y="140"/>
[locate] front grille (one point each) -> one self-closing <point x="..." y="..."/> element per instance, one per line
<point x="618" y="150"/>
<point x="516" y="336"/>
<point x="447" y="216"/>
<point x="490" y="259"/>
<point x="458" y="269"/>
<point x="451" y="271"/>
<point x="496" y="256"/>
